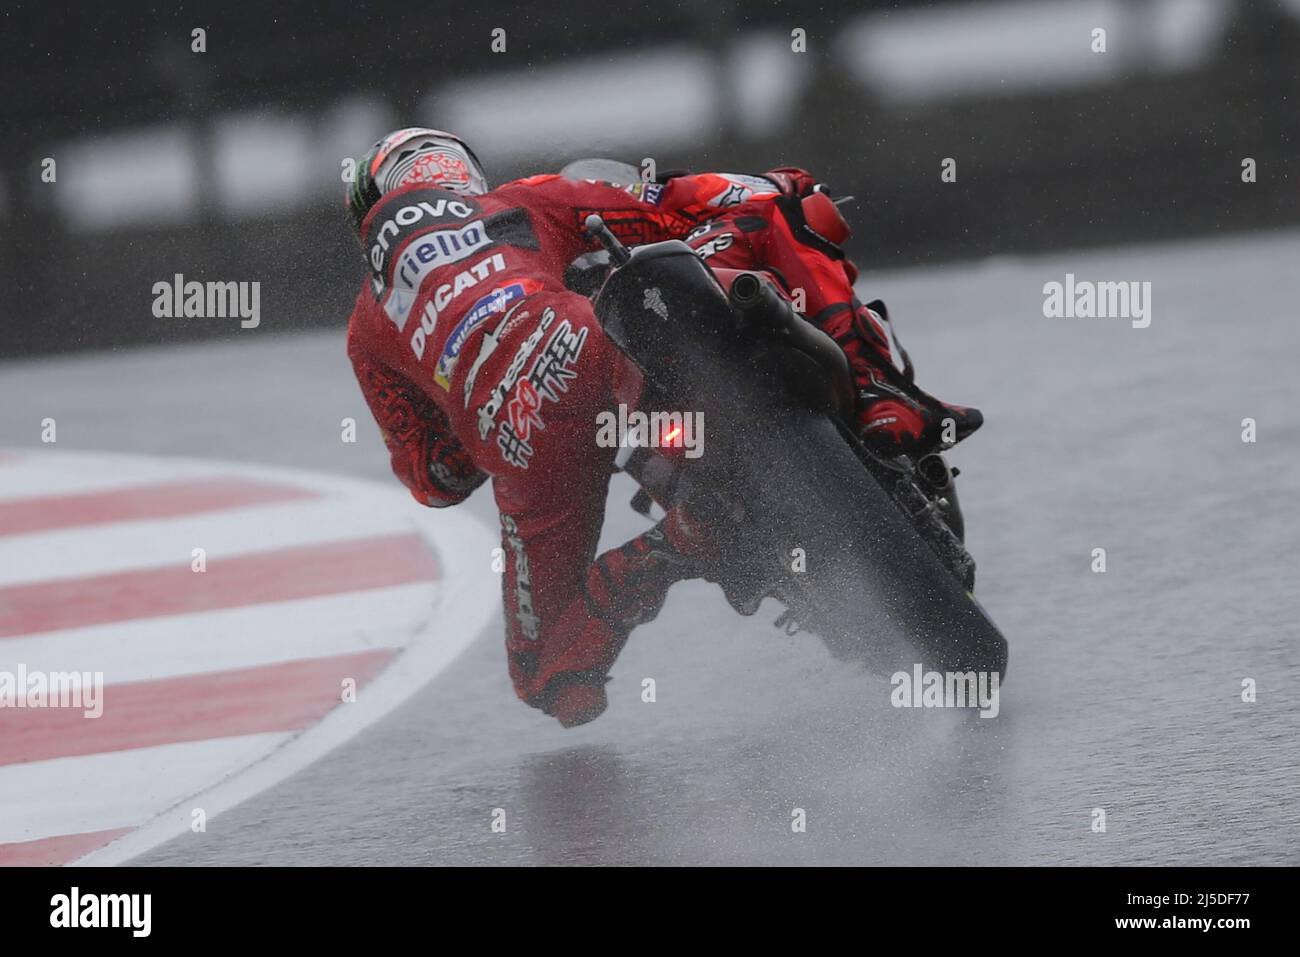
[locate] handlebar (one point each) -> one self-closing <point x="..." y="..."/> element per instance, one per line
<point x="618" y="253"/>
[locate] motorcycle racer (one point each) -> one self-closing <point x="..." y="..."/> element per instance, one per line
<point x="477" y="362"/>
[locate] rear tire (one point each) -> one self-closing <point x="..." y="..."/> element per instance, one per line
<point x="868" y="573"/>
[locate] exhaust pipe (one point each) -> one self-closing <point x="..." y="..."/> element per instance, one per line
<point x="934" y="472"/>
<point x="759" y="303"/>
<point x="746" y="291"/>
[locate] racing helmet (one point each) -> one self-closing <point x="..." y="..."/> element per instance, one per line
<point x="413" y="155"/>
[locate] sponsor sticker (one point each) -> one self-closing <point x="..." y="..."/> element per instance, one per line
<point x="497" y="301"/>
<point x="425" y="253"/>
<point x="423" y="207"/>
<point x="653" y="301"/>
<point x="487" y="412"/>
<point x="549" y="378"/>
<point x="650" y="193"/>
<point x="529" y="622"/>
<point x="715" y="245"/>
<point x="741" y="188"/>
<point x="443" y="296"/>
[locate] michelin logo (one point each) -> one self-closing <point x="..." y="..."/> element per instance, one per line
<point x="494" y="302"/>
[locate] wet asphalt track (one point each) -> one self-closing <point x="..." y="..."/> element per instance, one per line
<point x="1124" y="687"/>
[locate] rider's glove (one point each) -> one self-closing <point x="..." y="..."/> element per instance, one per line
<point x="792" y="181"/>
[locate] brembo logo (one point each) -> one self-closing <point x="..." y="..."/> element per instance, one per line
<point x="409" y="216"/>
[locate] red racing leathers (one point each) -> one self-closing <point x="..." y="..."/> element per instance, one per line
<point x="476" y="361"/>
<point x="795" y="237"/>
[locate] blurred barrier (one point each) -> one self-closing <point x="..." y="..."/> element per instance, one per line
<point x="1145" y="151"/>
